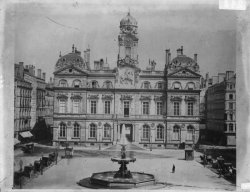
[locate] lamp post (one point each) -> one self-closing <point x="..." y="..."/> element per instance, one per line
<point x="150" y="141"/>
<point x="99" y="141"/>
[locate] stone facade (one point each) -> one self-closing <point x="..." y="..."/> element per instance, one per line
<point x="221" y="109"/>
<point x="22" y="101"/>
<point x="38" y="93"/>
<point x="92" y="105"/>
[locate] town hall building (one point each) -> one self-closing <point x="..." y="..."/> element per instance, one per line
<point x="158" y="108"/>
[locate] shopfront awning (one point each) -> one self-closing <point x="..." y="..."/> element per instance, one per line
<point x="26" y="134"/>
<point x="16" y="141"/>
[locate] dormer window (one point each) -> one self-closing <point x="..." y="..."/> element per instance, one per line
<point x="159" y="85"/>
<point x="70" y="70"/>
<point x="108" y="85"/>
<point x="94" y="84"/>
<point x="177" y="85"/>
<point x="146" y="85"/>
<point x="63" y="83"/>
<point x="64" y="59"/>
<point x="77" y="83"/>
<point x="190" y="86"/>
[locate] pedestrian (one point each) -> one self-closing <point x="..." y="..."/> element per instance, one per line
<point x="41" y="166"/>
<point x="173" y="168"/>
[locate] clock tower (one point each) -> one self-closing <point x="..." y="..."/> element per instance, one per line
<point x="128" y="42"/>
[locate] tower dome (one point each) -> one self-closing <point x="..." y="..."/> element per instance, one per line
<point x="183" y="61"/>
<point x="74" y="58"/>
<point x="128" y="20"/>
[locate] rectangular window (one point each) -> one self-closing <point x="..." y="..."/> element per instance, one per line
<point x="76" y="106"/>
<point x="62" y="106"/>
<point x="176" y="108"/>
<point x="93" y="107"/>
<point x="159" y="108"/>
<point x="145" y="108"/>
<point x="126" y="108"/>
<point x="230" y="105"/>
<point x="190" y="109"/>
<point x="107" y="107"/>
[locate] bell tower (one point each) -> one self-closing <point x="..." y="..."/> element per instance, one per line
<point x="128" y="42"/>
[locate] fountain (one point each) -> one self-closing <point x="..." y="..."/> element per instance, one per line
<point x="121" y="179"/>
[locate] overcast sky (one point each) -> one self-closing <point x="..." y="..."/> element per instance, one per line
<point x="43" y="30"/>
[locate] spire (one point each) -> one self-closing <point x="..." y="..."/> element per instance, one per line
<point x="60" y="54"/>
<point x="129" y="11"/>
<point x="73" y="47"/>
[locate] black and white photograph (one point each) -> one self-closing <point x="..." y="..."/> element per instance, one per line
<point x="123" y="95"/>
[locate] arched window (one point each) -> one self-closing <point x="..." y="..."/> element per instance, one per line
<point x="92" y="133"/>
<point x="145" y="132"/>
<point x="159" y="85"/>
<point x="160" y="132"/>
<point x="108" y="84"/>
<point x="62" y="130"/>
<point x="190" y="132"/>
<point x="94" y="84"/>
<point x="146" y="85"/>
<point x="176" y="85"/>
<point x="63" y="83"/>
<point x="106" y="131"/>
<point x="176" y="132"/>
<point x="77" y="83"/>
<point x="190" y="86"/>
<point x="231" y="127"/>
<point x="76" y="130"/>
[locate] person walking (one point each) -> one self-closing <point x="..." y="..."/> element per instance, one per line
<point x="173" y="168"/>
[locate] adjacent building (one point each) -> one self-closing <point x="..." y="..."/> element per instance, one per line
<point x="221" y="109"/>
<point x="22" y="103"/>
<point x="31" y="92"/>
<point x="155" y="107"/>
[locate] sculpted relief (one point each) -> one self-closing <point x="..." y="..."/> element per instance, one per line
<point x="127" y="77"/>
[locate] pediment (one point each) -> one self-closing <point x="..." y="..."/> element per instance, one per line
<point x="184" y="72"/>
<point x="70" y="70"/>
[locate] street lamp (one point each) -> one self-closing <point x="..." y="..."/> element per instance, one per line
<point x="99" y="141"/>
<point x="150" y="141"/>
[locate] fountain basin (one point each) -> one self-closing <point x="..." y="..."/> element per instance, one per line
<point x="107" y="180"/>
<point x="119" y="159"/>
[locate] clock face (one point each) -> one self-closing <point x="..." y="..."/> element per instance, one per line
<point x="128" y="42"/>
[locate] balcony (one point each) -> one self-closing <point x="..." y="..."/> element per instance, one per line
<point x="108" y="116"/>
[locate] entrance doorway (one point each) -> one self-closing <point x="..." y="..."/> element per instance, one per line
<point x="128" y="132"/>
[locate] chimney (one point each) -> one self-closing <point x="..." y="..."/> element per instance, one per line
<point x="182" y="50"/>
<point x="31" y="70"/>
<point x="39" y="71"/>
<point x="73" y="48"/>
<point x="207" y="76"/>
<point x="96" y="65"/>
<point x="229" y="74"/>
<point x="101" y="63"/>
<point x="86" y="57"/>
<point x="44" y="76"/>
<point x="179" y="52"/>
<point x="195" y="57"/>
<point x="167" y="58"/>
<point x="215" y="79"/>
<point x="221" y="77"/>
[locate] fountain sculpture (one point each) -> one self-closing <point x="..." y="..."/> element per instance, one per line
<point x="123" y="178"/>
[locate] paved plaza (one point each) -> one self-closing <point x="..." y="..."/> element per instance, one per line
<point x="188" y="174"/>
